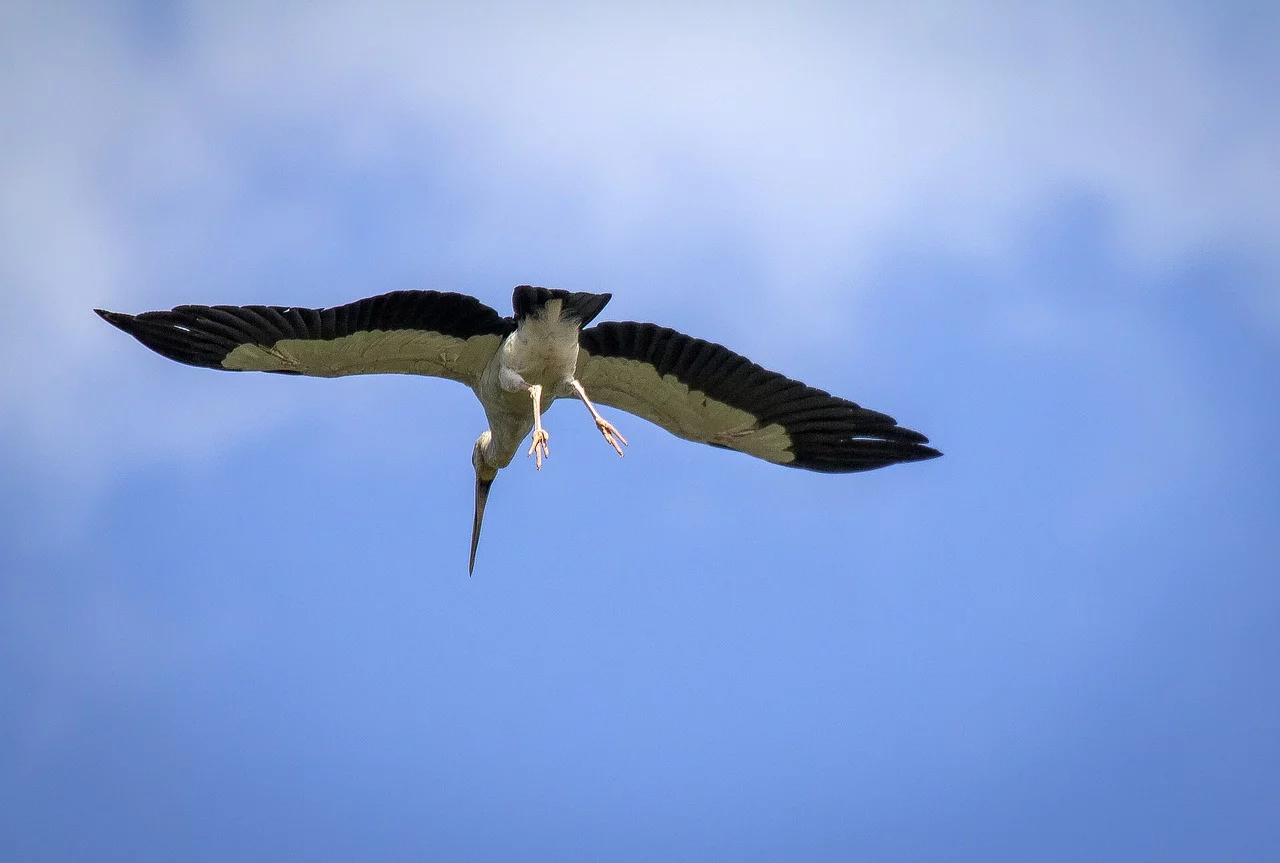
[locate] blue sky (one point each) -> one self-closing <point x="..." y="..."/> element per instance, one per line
<point x="235" y="621"/>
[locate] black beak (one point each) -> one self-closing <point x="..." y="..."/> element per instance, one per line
<point x="482" y="496"/>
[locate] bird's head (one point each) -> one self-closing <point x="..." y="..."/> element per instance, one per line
<point x="484" y="478"/>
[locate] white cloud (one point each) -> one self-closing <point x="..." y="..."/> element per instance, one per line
<point x="830" y="126"/>
<point x="829" y="134"/>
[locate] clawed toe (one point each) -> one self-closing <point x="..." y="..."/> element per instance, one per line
<point x="611" y="435"/>
<point x="539" y="448"/>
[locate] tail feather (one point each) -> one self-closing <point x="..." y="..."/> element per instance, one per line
<point x="528" y="301"/>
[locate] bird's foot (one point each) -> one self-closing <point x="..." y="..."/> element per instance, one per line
<point x="611" y="434"/>
<point x="539" y="447"/>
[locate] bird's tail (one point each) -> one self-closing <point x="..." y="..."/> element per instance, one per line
<point x="528" y="302"/>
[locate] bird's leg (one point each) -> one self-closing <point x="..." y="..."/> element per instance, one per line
<point x="540" y="437"/>
<point x="611" y="434"/>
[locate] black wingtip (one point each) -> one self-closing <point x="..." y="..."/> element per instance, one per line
<point x="122" y="321"/>
<point x="899" y="452"/>
<point x="166" y="334"/>
<point x="843" y="455"/>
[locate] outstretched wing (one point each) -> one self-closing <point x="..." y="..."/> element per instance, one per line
<point x="704" y="392"/>
<point x="404" y="332"/>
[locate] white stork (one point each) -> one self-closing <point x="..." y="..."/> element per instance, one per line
<point x="518" y="366"/>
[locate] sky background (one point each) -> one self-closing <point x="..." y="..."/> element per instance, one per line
<point x="235" y="619"/>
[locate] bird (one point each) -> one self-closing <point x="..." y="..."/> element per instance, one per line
<point x="519" y="365"/>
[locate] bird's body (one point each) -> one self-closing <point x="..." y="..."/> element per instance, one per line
<point x="518" y="366"/>
<point x="542" y="351"/>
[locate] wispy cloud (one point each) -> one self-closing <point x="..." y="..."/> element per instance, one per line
<point x="832" y="129"/>
<point x="136" y="150"/>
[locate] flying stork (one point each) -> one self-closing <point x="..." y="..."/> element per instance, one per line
<point x="517" y="366"/>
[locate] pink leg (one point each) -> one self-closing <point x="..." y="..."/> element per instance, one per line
<point x="539" y="448"/>
<point x="611" y="434"/>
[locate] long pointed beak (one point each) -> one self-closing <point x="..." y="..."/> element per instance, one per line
<point x="482" y="497"/>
